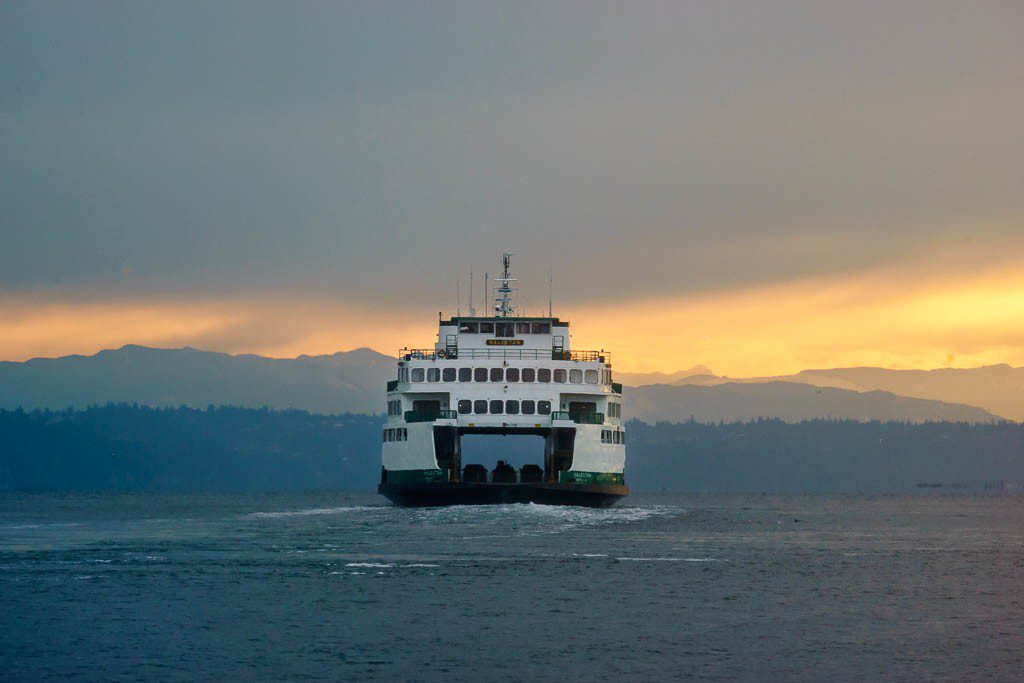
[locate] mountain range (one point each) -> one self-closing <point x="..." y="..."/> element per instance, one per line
<point x="998" y="389"/>
<point x="353" y="381"/>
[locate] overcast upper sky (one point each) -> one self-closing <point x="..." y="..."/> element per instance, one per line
<point x="259" y="157"/>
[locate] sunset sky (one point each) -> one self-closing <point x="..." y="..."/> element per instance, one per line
<point x="757" y="187"/>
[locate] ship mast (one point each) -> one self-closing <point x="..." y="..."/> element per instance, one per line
<point x="503" y="307"/>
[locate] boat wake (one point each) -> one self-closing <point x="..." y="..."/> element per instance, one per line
<point x="312" y="511"/>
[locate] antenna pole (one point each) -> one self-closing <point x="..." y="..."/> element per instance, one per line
<point x="551" y="279"/>
<point x="472" y="308"/>
<point x="458" y="299"/>
<point x="487" y="279"/>
<point x="503" y="306"/>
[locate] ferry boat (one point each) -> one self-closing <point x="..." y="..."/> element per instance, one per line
<point x="503" y="374"/>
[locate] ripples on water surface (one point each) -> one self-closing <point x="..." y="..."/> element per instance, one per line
<point x="346" y="587"/>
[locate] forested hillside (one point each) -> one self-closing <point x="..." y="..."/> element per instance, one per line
<point x="122" y="447"/>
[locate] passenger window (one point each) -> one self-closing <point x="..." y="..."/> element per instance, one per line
<point x="522" y="328"/>
<point x="512" y="375"/>
<point x="543" y="407"/>
<point x="465" y="374"/>
<point x="468" y="328"/>
<point x="480" y="407"/>
<point x="560" y="376"/>
<point x="512" y="407"/>
<point x="623" y="439"/>
<point x="529" y="407"/>
<point x="433" y="374"/>
<point x="465" y="407"/>
<point x="591" y="376"/>
<point x="417" y="374"/>
<point x="479" y="374"/>
<point x="529" y="374"/>
<point x="618" y="439"/>
<point x="541" y="328"/>
<point x="504" y="330"/>
<point x="486" y="328"/>
<point x="544" y="375"/>
<point x="448" y="374"/>
<point x="576" y="376"/>
<point x="497" y="406"/>
<point x="497" y="374"/>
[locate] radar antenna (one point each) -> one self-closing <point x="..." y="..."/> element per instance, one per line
<point x="503" y="307"/>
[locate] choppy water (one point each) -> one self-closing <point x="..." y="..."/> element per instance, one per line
<point x="664" y="587"/>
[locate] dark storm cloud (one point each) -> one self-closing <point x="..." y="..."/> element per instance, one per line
<point x="379" y="150"/>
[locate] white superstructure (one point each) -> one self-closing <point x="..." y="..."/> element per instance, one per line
<point x="504" y="374"/>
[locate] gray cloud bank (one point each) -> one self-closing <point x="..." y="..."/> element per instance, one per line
<point x="378" y="149"/>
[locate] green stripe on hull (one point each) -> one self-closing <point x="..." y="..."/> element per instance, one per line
<point x="601" y="478"/>
<point x="415" y="476"/>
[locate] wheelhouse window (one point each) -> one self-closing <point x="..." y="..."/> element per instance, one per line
<point x="529" y="375"/>
<point x="512" y="407"/>
<point x="486" y="328"/>
<point x="529" y="407"/>
<point x="433" y="374"/>
<point x="417" y="374"/>
<point x="480" y="407"/>
<point x="544" y="374"/>
<point x="479" y="374"/>
<point x="504" y="330"/>
<point x="465" y="374"/>
<point x="576" y="376"/>
<point x="591" y="376"/>
<point x="448" y="374"/>
<point x="469" y="328"/>
<point x="522" y="328"/>
<point x="497" y="406"/>
<point x="465" y="407"/>
<point x="560" y="376"/>
<point x="512" y="375"/>
<point x="497" y="374"/>
<point x="543" y="407"/>
<point x="541" y="328"/>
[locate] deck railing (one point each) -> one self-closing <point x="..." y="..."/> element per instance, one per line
<point x="430" y="416"/>
<point x="505" y="353"/>
<point x="579" y="418"/>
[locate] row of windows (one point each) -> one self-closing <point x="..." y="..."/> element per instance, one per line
<point x="559" y="376"/>
<point x="504" y="329"/>
<point x="394" y="407"/>
<point x="610" y="436"/>
<point x="499" y="407"/>
<point x="614" y="409"/>
<point x="397" y="434"/>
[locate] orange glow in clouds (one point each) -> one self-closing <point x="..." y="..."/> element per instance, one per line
<point x="869" y="320"/>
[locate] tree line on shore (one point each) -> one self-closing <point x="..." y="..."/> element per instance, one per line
<point x="131" y="447"/>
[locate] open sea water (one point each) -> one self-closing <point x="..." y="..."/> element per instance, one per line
<point x="346" y="587"/>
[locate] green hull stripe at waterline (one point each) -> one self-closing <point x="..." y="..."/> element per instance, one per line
<point x="573" y="477"/>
